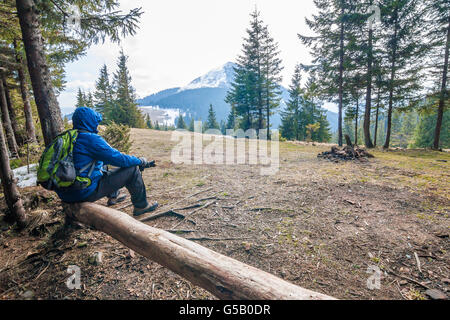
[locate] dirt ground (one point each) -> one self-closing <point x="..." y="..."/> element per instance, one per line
<point x="316" y="223"/>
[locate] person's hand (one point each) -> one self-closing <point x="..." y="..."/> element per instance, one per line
<point x="146" y="164"/>
<point x="143" y="164"/>
<point x="143" y="160"/>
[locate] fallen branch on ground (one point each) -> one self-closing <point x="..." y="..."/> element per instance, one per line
<point x="224" y="277"/>
<point x="162" y="214"/>
<point x="418" y="262"/>
<point x="189" y="207"/>
<point x="180" y="231"/>
<point x="190" y="196"/>
<point x="206" y="205"/>
<point x="209" y="198"/>
<point x="409" y="279"/>
<point x="216" y="239"/>
<point x="227" y="207"/>
<point x="263" y="209"/>
<point x="157" y="215"/>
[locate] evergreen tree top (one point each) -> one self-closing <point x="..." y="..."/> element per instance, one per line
<point x="211" y="122"/>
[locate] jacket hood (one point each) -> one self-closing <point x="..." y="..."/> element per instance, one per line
<point x="86" y="119"/>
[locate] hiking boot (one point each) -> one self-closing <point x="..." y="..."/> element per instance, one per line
<point x="149" y="208"/>
<point x="116" y="200"/>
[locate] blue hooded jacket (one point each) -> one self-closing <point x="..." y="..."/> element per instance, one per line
<point x="88" y="147"/>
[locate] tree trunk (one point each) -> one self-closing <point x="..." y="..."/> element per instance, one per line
<point x="367" y="113"/>
<point x="268" y="114"/>
<point x="260" y="119"/>
<point x="47" y="105"/>
<point x="391" y="86"/>
<point x="376" y="120"/>
<point x="389" y="121"/>
<point x="444" y="94"/>
<point x="224" y="277"/>
<point x="348" y="141"/>
<point x="12" y="144"/>
<point x="297" y="127"/>
<point x="29" y="123"/>
<point x="16" y="212"/>
<point x="12" y="113"/>
<point x="356" y="122"/>
<point x="341" y="74"/>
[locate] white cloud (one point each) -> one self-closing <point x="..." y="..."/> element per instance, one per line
<point x="73" y="86"/>
<point x="180" y="40"/>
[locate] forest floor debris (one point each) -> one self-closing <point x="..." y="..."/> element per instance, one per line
<point x="345" y="153"/>
<point x="314" y="224"/>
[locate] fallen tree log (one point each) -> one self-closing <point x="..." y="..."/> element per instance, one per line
<point x="224" y="277"/>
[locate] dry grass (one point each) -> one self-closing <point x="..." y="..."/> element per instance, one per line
<point x="316" y="223"/>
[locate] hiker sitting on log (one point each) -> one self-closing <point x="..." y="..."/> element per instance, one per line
<point x="91" y="153"/>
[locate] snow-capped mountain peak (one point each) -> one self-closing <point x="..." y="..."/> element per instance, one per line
<point x="220" y="77"/>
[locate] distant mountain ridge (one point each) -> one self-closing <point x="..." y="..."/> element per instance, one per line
<point x="217" y="78"/>
<point x="194" y="99"/>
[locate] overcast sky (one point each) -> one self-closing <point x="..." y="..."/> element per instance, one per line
<point x="179" y="40"/>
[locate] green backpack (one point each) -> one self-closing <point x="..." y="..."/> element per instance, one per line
<point x="56" y="168"/>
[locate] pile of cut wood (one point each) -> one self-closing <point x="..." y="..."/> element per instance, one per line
<point x="349" y="152"/>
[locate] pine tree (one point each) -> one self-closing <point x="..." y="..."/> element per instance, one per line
<point x="90" y="100"/>
<point x="362" y="56"/>
<point x="81" y="99"/>
<point x="369" y="78"/>
<point x="312" y="113"/>
<point x="352" y="96"/>
<point x="379" y="85"/>
<point x="103" y="94"/>
<point x="38" y="67"/>
<point x="242" y="96"/>
<point x="149" y="122"/>
<point x="12" y="111"/>
<point x="29" y="122"/>
<point x="255" y="90"/>
<point x="16" y="212"/>
<point x="253" y="56"/>
<point x="290" y="118"/>
<point x="405" y="50"/>
<point x="304" y="118"/>
<point x="323" y="134"/>
<point x="99" y="20"/>
<point x="328" y="47"/>
<point x="125" y="110"/>
<point x="424" y="132"/>
<point x="211" y="122"/>
<point x="438" y="25"/>
<point x="406" y="133"/>
<point x="271" y="75"/>
<point x="192" y="125"/>
<point x="180" y="122"/>
<point x="231" y="119"/>
<point x="10" y="137"/>
<point x="223" y="127"/>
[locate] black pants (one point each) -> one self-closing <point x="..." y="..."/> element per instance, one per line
<point x="112" y="181"/>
